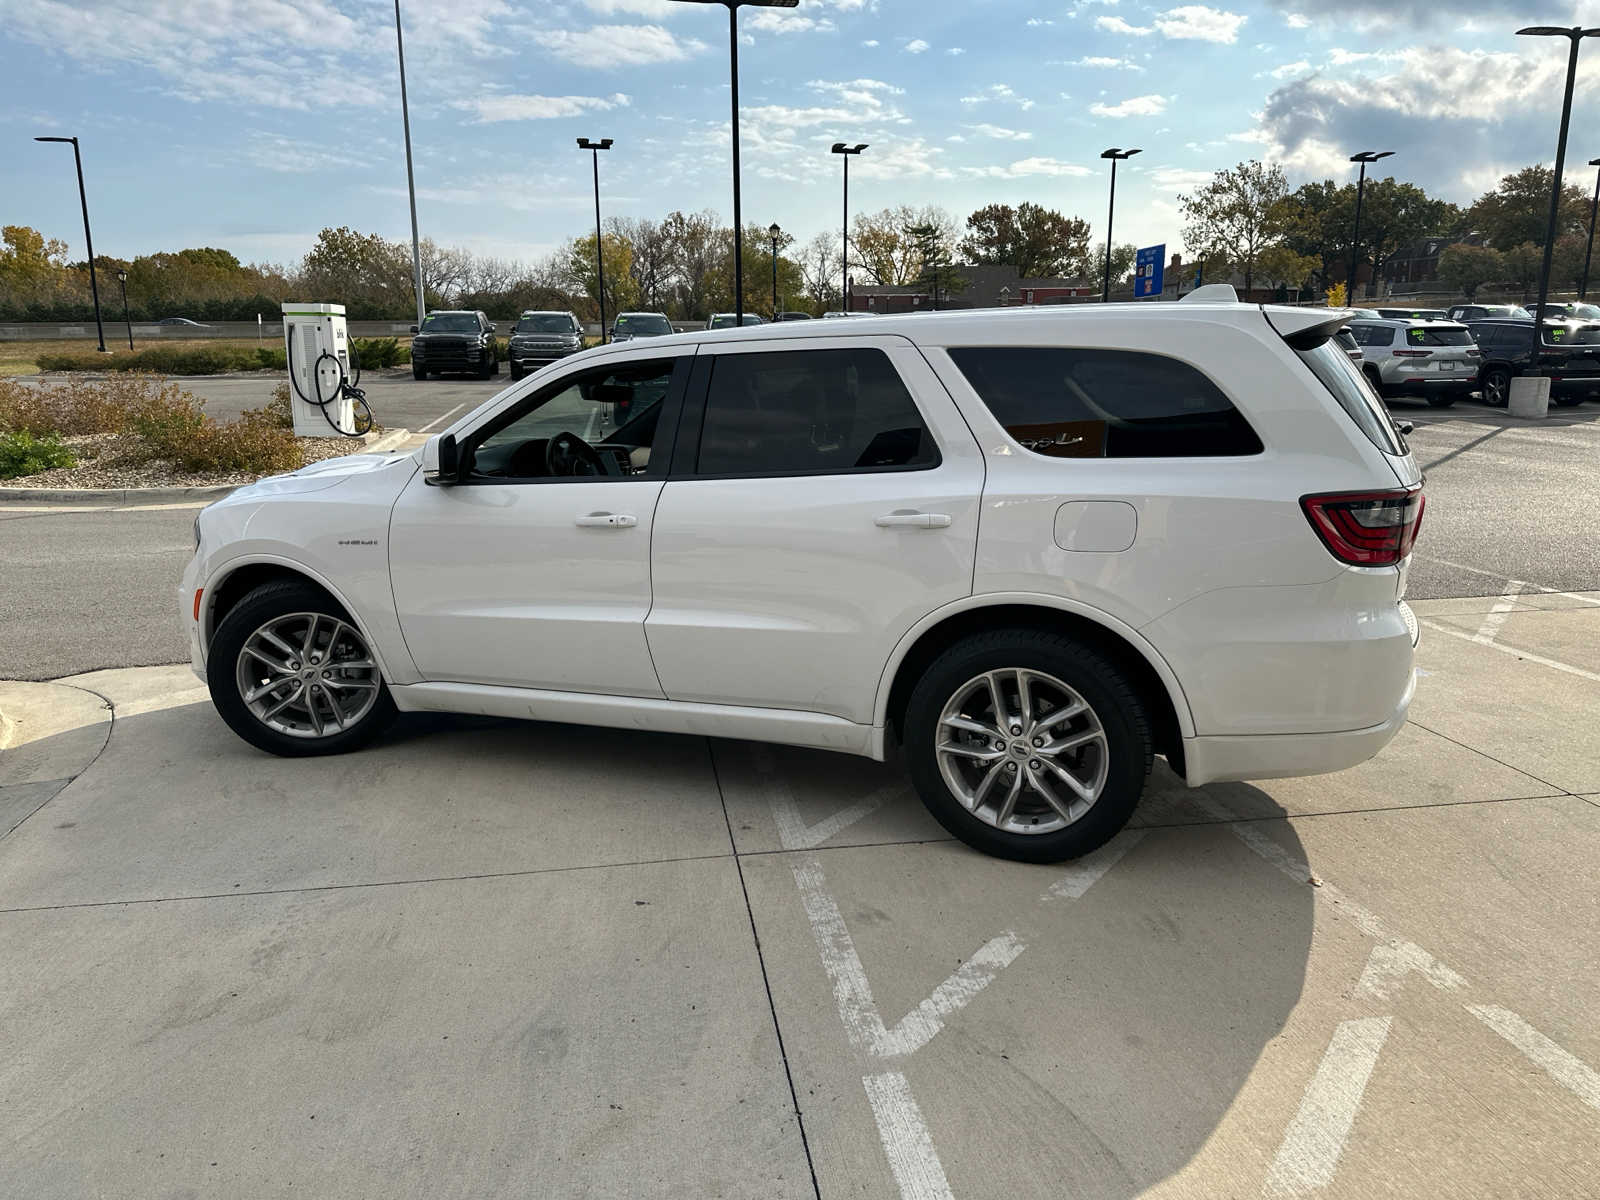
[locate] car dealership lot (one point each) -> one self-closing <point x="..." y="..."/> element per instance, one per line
<point x="489" y="958"/>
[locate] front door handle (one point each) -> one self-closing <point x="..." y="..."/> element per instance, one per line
<point x="914" y="520"/>
<point x="606" y="520"/>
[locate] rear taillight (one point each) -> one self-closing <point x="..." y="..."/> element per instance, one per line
<point x="1367" y="529"/>
<point x="1412" y="353"/>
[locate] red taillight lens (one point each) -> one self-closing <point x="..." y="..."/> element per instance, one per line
<point x="1367" y="529"/>
<point x="1412" y="353"/>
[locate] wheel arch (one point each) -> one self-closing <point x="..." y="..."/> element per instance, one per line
<point x="237" y="578"/>
<point x="1147" y="670"/>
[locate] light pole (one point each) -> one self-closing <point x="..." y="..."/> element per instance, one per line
<point x="733" y="7"/>
<point x="1576" y="35"/>
<point x="83" y="199"/>
<point x="1114" y="154"/>
<point x="411" y="182"/>
<point x="1365" y="157"/>
<point x="122" y="279"/>
<point x="774" y="232"/>
<point x="1594" y="208"/>
<point x="844" y="282"/>
<point x="594" y="149"/>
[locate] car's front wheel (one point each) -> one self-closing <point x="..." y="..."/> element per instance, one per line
<point x="516" y="371"/>
<point x="417" y="372"/>
<point x="1027" y="745"/>
<point x="1441" y="401"/>
<point x="292" y="675"/>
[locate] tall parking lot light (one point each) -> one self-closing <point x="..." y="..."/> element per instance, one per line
<point x="1365" y="157"/>
<point x="1115" y="155"/>
<point x="1576" y="35"/>
<point x="83" y="198"/>
<point x="411" y="181"/>
<point x="844" y="283"/>
<point x="733" y="7"/>
<point x="122" y="281"/>
<point x="594" y="149"/>
<point x="1594" y="209"/>
<point x="774" y="232"/>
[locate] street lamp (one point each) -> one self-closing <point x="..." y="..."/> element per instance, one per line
<point x="774" y="232"/>
<point x="594" y="149"/>
<point x="1114" y="154"/>
<point x="733" y="7"/>
<point x="1594" y="207"/>
<point x="411" y="182"/>
<point x="83" y="198"/>
<point x="1365" y="157"/>
<point x="844" y="285"/>
<point x="122" y="279"/>
<point x="1576" y="35"/>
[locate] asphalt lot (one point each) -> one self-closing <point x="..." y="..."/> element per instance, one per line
<point x="489" y="958"/>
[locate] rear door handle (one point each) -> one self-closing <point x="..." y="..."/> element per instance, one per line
<point x="605" y="520"/>
<point x="914" y="520"/>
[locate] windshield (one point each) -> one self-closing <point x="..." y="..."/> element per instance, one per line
<point x="1509" y="310"/>
<point x="1355" y="395"/>
<point x="545" y="323"/>
<point x="1450" y="335"/>
<point x="645" y="323"/>
<point x="450" y="323"/>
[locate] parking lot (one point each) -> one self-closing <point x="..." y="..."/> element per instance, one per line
<point x="490" y="958"/>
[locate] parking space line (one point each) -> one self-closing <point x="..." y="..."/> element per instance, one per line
<point x="439" y="420"/>
<point x="1311" y="1147"/>
<point x="1571" y="1073"/>
<point x="1548" y="591"/>
<point x="1085" y="872"/>
<point x="906" y="1141"/>
<point x="1496" y="616"/>
<point x="1526" y="655"/>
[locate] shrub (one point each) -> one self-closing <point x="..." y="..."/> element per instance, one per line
<point x="252" y="443"/>
<point x="172" y="360"/>
<point x="375" y="353"/>
<point x="277" y="412"/>
<point x="23" y="454"/>
<point x="78" y="406"/>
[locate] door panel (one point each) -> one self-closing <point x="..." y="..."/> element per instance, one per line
<point x="791" y="591"/>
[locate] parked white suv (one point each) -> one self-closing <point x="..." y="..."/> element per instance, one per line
<point x="1032" y="547"/>
<point x="1437" y="361"/>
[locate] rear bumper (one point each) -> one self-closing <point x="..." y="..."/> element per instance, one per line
<point x="1433" y="386"/>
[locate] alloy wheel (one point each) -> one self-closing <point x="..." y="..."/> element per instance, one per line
<point x="1022" y="751"/>
<point x="307" y="675"/>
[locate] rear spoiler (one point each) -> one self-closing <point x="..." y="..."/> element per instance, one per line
<point x="1306" y="328"/>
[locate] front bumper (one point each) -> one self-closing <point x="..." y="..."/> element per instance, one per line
<point x="193" y="629"/>
<point x="523" y="356"/>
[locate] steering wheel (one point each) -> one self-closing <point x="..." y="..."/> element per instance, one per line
<point x="569" y="454"/>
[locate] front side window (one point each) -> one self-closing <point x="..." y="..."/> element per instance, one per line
<point x="1083" y="403"/>
<point x="450" y="323"/>
<point x="810" y="412"/>
<point x="600" y="423"/>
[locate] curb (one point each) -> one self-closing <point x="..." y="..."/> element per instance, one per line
<point x="156" y="495"/>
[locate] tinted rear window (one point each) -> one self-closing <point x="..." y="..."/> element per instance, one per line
<point x="1354" y="394"/>
<point x="1424" y="335"/>
<point x="1080" y="403"/>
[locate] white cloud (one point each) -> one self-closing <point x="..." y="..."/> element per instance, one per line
<point x="955" y="137"/>
<point x="771" y="20"/>
<point x="509" y="107"/>
<point x="638" y="8"/>
<point x="1036" y="22"/>
<point x="1097" y="60"/>
<point x="1179" y="177"/>
<point x="1029" y="166"/>
<point x="911" y="158"/>
<point x="1138" y="106"/>
<point x="1200" y="23"/>
<point x="870" y="42"/>
<point x="916" y="46"/>
<point x="955" y="50"/>
<point x="1000" y="132"/>
<point x="1118" y="25"/>
<point x="1297" y="21"/>
<point x="1288" y="69"/>
<point x="618" y="45"/>
<point x="275" y="152"/>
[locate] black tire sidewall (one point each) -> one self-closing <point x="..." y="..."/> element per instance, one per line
<point x="260" y="606"/>
<point x="1094" y="677"/>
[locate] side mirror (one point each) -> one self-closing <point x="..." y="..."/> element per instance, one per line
<point x="491" y="326"/>
<point x="441" y="460"/>
<point x="413" y="329"/>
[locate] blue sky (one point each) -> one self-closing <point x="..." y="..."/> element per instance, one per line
<point x="251" y="124"/>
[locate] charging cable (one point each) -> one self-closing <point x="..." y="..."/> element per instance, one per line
<point x="346" y="388"/>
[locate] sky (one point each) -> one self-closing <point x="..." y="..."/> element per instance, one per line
<point x="251" y="124"/>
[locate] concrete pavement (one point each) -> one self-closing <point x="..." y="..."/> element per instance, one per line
<point x="488" y="958"/>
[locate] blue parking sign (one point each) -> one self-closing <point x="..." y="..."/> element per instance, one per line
<point x="1147" y="271"/>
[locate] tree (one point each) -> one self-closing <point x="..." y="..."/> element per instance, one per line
<point x="622" y="290"/>
<point x="1040" y="242"/>
<point x="652" y="257"/>
<point x="1314" y="221"/>
<point x="1123" y="258"/>
<point x="1522" y="265"/>
<point x="819" y="270"/>
<point x="694" y="249"/>
<point x="1395" y="214"/>
<point x="29" y="260"/>
<point x="1233" y="216"/>
<point x="936" y="270"/>
<point x="1283" y="267"/>
<point x="1467" y="268"/>
<point x="1517" y="210"/>
<point x="353" y="268"/>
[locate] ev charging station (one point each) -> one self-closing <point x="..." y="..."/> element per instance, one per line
<point x="323" y="395"/>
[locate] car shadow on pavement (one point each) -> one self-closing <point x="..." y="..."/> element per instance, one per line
<point x="1105" y="1057"/>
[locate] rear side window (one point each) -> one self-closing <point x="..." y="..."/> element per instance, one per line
<point x="1354" y="394"/>
<point x="1373" y="335"/>
<point x="810" y="412"/>
<point x="1425" y="336"/>
<point x="1081" y="403"/>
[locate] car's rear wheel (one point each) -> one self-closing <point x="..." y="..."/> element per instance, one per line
<point x="1027" y="745"/>
<point x="1441" y="401"/>
<point x="291" y="674"/>
<point x="1565" y="401"/>
<point x="1496" y="386"/>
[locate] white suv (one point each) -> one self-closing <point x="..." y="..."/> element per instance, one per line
<point x="1436" y="360"/>
<point x="1032" y="547"/>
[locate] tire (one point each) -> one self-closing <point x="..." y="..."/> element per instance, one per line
<point x="282" y="607"/>
<point x="1496" y="387"/>
<point x="495" y="368"/>
<point x="1375" y="380"/>
<point x="486" y="370"/>
<point x="1441" y="401"/>
<point x="417" y="372"/>
<point x="1566" y="401"/>
<point x="516" y="372"/>
<point x="1057" y="668"/>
